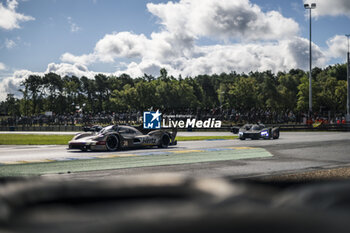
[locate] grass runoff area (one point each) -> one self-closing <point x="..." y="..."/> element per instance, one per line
<point x="37" y="139"/>
<point x="117" y="161"/>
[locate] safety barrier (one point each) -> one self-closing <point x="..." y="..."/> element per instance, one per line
<point x="54" y="128"/>
<point x="284" y="127"/>
<point x="322" y="127"/>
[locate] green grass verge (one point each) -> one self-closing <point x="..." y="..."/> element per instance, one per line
<point x="37" y="139"/>
<point x="34" y="139"/>
<point x="198" y="138"/>
<point x="130" y="162"/>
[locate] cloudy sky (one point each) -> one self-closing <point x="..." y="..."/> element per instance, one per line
<point x="187" y="37"/>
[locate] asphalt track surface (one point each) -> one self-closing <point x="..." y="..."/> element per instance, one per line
<point x="294" y="151"/>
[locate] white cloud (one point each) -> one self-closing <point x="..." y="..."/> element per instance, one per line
<point x="9" y="18"/>
<point x="2" y="66"/>
<point x="83" y="59"/>
<point x="333" y="8"/>
<point x="12" y="84"/>
<point x="185" y="22"/>
<point x="248" y="39"/>
<point x="64" y="69"/>
<point x="116" y="45"/>
<point x="337" y="47"/>
<point x="279" y="56"/>
<point x="9" y="44"/>
<point x="73" y="26"/>
<point x="124" y="44"/>
<point x="164" y="51"/>
<point x="147" y="66"/>
<point x="224" y="19"/>
<point x="275" y="56"/>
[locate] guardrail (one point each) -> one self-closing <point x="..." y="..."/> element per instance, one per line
<point x="322" y="127"/>
<point x="288" y="127"/>
<point x="54" y="128"/>
<point x="285" y="127"/>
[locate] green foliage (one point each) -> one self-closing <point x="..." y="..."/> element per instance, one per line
<point x="11" y="105"/>
<point x="303" y="95"/>
<point x="284" y="92"/>
<point x="243" y="94"/>
<point x="288" y="91"/>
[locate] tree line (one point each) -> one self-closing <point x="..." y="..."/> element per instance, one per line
<point x="256" y="91"/>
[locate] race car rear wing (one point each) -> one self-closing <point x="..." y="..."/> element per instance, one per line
<point x="235" y="129"/>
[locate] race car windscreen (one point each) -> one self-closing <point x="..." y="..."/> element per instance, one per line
<point x="107" y="129"/>
<point x="256" y="127"/>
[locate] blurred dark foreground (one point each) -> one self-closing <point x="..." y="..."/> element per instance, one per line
<point x="167" y="203"/>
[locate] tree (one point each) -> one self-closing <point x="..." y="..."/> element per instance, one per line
<point x="341" y="92"/>
<point x="102" y="92"/>
<point x="24" y="104"/>
<point x="288" y="91"/>
<point x="71" y="88"/>
<point x="164" y="75"/>
<point x="268" y="96"/>
<point x="33" y="84"/>
<point x="210" y="96"/>
<point x="197" y="91"/>
<point x="54" y="85"/>
<point x="125" y="99"/>
<point x="12" y="106"/>
<point x="146" y="95"/>
<point x="303" y="95"/>
<point x="89" y="90"/>
<point x="257" y="91"/>
<point x="243" y="94"/>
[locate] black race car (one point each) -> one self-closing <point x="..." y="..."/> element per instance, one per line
<point x="256" y="131"/>
<point x="114" y="137"/>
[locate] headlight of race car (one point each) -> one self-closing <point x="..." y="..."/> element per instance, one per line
<point x="264" y="133"/>
<point x="240" y="133"/>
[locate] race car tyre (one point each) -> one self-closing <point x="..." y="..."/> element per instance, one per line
<point x="270" y="134"/>
<point x="165" y="141"/>
<point x="275" y="134"/>
<point x="242" y="138"/>
<point x="112" y="143"/>
<point x="84" y="148"/>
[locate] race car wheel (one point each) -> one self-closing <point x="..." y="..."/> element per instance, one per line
<point x="276" y="134"/>
<point x="112" y="143"/>
<point x="165" y="141"/>
<point x="242" y="138"/>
